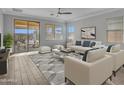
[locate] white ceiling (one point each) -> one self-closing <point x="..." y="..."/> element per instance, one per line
<point x="44" y="13"/>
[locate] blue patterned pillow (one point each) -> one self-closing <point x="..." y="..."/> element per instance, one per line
<point x="92" y="44"/>
<point x="86" y="43"/>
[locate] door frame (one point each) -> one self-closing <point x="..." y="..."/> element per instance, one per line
<point x="27" y="33"/>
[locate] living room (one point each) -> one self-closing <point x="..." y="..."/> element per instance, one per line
<point x="54" y="42"/>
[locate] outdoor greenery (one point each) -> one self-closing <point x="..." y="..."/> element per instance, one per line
<point x="8" y="40"/>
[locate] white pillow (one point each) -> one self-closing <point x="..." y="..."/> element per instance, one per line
<point x="115" y="48"/>
<point x="98" y="42"/>
<point x="95" y="54"/>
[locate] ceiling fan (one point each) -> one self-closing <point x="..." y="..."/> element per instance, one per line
<point x="61" y="13"/>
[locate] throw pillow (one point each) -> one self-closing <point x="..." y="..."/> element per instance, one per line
<point x="78" y="43"/>
<point x="109" y="48"/>
<point x="86" y="43"/>
<point x="92" y="44"/>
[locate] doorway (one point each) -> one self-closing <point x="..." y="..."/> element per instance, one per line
<point x="26" y="35"/>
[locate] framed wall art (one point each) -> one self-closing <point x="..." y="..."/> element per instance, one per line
<point x="88" y="32"/>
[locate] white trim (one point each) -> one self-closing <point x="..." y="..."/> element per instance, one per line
<point x="95" y="14"/>
<point x="60" y="20"/>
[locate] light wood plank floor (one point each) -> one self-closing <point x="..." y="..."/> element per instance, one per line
<point x="22" y="71"/>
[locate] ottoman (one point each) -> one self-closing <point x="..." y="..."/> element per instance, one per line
<point x="45" y="49"/>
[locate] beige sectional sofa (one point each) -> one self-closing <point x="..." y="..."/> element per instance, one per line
<point x="82" y="46"/>
<point x="96" y="68"/>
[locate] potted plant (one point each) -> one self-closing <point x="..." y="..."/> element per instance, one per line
<point x="7" y="41"/>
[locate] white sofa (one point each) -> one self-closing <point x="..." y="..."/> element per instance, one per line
<point x="81" y="49"/>
<point x="45" y="49"/>
<point x="92" y="72"/>
<point x="118" y="57"/>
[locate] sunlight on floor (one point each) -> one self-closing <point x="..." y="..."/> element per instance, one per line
<point x="25" y="53"/>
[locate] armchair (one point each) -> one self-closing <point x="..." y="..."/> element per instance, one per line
<point x="88" y="73"/>
<point x="117" y="55"/>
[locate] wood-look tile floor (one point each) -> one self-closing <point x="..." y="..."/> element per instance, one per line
<point x="22" y="71"/>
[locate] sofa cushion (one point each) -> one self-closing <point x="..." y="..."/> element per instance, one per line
<point x="95" y="54"/>
<point x="92" y="44"/>
<point x="115" y="48"/>
<point x="78" y="43"/>
<point x="86" y="52"/>
<point x="86" y="43"/>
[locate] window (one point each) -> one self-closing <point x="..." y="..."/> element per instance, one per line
<point x="115" y="29"/>
<point x="54" y="32"/>
<point x="58" y="32"/>
<point x="71" y="30"/>
<point x="50" y="32"/>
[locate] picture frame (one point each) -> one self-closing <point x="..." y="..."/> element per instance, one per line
<point x="88" y="32"/>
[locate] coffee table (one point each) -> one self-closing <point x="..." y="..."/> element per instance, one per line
<point x="60" y="54"/>
<point x="67" y="50"/>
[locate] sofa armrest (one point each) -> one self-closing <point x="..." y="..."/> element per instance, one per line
<point x="76" y="70"/>
<point x="118" y="59"/>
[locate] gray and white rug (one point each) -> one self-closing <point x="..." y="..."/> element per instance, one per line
<point x="53" y="68"/>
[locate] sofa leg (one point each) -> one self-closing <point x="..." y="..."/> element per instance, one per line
<point x="123" y="65"/>
<point x="111" y="78"/>
<point x="114" y="73"/>
<point x="65" y="79"/>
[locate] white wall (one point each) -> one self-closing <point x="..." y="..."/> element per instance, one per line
<point x="100" y="23"/>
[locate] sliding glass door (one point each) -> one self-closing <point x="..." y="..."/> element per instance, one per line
<point x="33" y="35"/>
<point x="21" y="37"/>
<point x="26" y="35"/>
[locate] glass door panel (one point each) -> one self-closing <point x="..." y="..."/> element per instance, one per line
<point x="21" y="36"/>
<point x="33" y="36"/>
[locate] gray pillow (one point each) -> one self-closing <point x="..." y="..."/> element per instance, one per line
<point x="78" y="43"/>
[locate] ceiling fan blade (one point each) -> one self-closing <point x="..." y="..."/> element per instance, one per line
<point x="60" y="13"/>
<point x="66" y="13"/>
